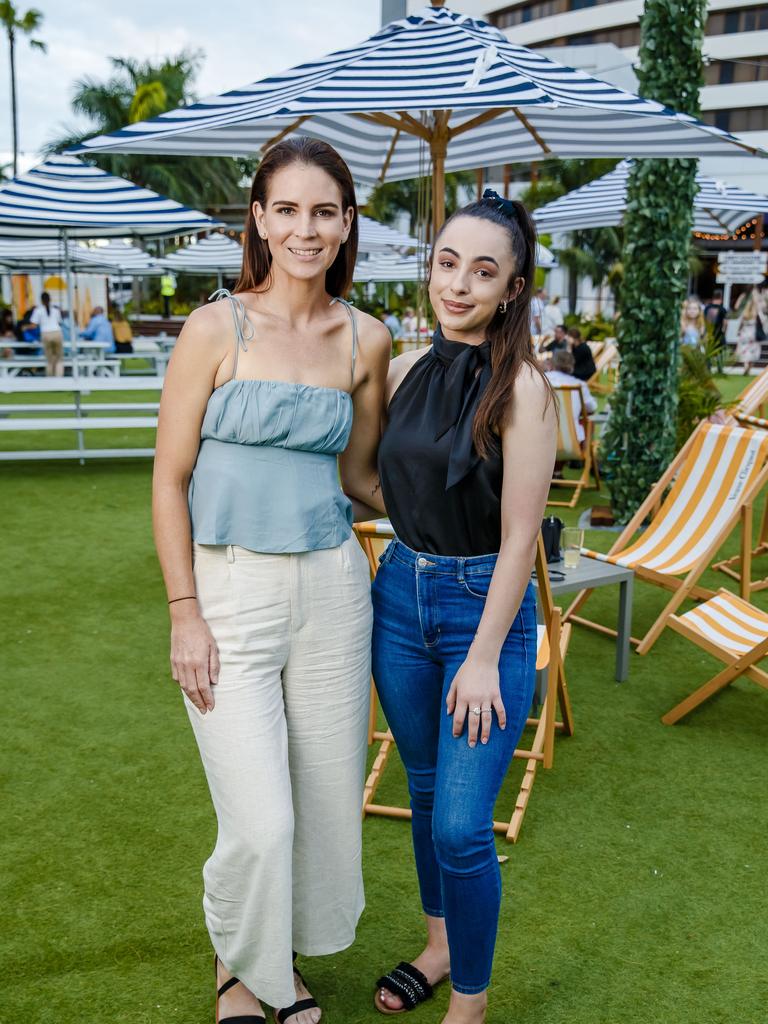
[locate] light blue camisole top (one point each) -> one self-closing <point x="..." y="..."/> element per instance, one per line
<point x="266" y="476"/>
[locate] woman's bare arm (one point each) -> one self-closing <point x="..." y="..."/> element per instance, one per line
<point x="188" y="385"/>
<point x="529" y="441"/>
<point x="359" y="473"/>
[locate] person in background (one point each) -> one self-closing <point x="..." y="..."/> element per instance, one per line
<point x="121" y="329"/>
<point x="538" y="303"/>
<point x="561" y="375"/>
<point x="691" y="322"/>
<point x="48" y="318"/>
<point x="560" y="340"/>
<point x="552" y="316"/>
<point x="583" y="360"/>
<point x="7" y="331"/>
<point x="410" y="324"/>
<point x="167" y="291"/>
<point x="393" y="324"/>
<point x="99" y="329"/>
<point x="714" y="314"/>
<point x="752" y="331"/>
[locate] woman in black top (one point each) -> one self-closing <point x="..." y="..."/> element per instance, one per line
<point x="465" y="464"/>
<point x="583" y="361"/>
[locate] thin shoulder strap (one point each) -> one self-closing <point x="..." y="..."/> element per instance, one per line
<point x="243" y="327"/>
<point x="353" y="318"/>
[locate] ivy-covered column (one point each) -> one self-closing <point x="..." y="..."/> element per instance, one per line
<point x="640" y="438"/>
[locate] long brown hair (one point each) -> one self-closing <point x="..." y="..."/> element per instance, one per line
<point x="509" y="332"/>
<point x="257" y="259"/>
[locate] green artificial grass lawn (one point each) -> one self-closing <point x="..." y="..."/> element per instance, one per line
<point x="633" y="895"/>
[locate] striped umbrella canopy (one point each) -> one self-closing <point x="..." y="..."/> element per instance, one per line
<point x="436" y="85"/>
<point x="65" y="195"/>
<point x="129" y="260"/>
<point x="377" y="237"/>
<point x="393" y="267"/>
<point x="215" y="253"/>
<point x="34" y="254"/>
<point x="718" y="208"/>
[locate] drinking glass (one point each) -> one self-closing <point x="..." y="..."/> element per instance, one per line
<point x="573" y="541"/>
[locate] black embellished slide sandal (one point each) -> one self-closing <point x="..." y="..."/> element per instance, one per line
<point x="281" y="1016"/>
<point x="407" y="983"/>
<point x="249" y="1018"/>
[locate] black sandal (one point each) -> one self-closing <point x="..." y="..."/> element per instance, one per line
<point x="301" y="1004"/>
<point x="407" y="983"/>
<point x="248" y="1018"/>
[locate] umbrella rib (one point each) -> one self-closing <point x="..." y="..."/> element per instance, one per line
<point x="475" y="122"/>
<point x="390" y="153"/>
<point x="715" y="218"/>
<point x="530" y="129"/>
<point x="392" y="122"/>
<point x="286" y="131"/>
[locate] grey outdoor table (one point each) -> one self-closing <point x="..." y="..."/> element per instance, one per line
<point x="591" y="573"/>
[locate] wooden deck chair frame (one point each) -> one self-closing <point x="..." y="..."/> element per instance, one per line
<point x="584" y="450"/>
<point x="551" y="655"/>
<point x="607" y="360"/>
<point x="743" y="665"/>
<point x="685" y="587"/>
<point x="754" y="397"/>
<point x="736" y="566"/>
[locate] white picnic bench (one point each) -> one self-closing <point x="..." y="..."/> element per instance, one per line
<point x="74" y="388"/>
<point x="86" y="366"/>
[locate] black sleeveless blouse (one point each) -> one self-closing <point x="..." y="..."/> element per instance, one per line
<point x="441" y="497"/>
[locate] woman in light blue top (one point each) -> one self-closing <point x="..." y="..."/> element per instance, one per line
<point x="270" y="419"/>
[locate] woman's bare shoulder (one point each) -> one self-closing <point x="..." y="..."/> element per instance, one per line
<point x="400" y="366"/>
<point x="372" y="333"/>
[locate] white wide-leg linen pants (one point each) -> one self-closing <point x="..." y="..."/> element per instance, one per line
<point x="284" y="755"/>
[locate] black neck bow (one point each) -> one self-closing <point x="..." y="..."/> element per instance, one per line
<point x="467" y="373"/>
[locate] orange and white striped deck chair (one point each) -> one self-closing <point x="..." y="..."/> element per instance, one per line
<point x="732" y="630"/>
<point x="606" y="361"/>
<point x="738" y="565"/>
<point x="713" y="479"/>
<point x="552" y="645"/>
<point x="571" y="411"/>
<point x="753" y="398"/>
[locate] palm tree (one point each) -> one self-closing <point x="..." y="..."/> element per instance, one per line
<point x="391" y="198"/>
<point x="137" y="90"/>
<point x="13" y="23"/>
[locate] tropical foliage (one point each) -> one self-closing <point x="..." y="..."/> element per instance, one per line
<point x="641" y="435"/>
<point x="16" y="24"/>
<point x="138" y="90"/>
<point x="390" y="199"/>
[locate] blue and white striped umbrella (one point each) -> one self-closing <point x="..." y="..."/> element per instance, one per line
<point x="21" y="255"/>
<point x="437" y="84"/>
<point x="718" y="208"/>
<point x="126" y="259"/>
<point x="393" y="267"/>
<point x="213" y="254"/>
<point x="64" y="194"/>
<point x="373" y="236"/>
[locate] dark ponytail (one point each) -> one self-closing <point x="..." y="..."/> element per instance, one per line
<point x="45" y="298"/>
<point x="509" y="332"/>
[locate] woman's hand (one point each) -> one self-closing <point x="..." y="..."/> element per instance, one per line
<point x="476" y="685"/>
<point x="194" y="657"/>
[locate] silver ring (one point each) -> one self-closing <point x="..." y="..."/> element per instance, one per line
<point x="486" y="711"/>
<point x="477" y="711"/>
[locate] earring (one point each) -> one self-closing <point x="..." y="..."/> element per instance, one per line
<point x="503" y="306"/>
<point x="262" y="235"/>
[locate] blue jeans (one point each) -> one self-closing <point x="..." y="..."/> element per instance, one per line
<point x="426" y="611"/>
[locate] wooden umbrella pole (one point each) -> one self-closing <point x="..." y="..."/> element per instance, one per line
<point x="438" y="148"/>
<point x="759" y="224"/>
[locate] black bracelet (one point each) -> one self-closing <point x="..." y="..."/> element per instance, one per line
<point x="192" y="598"/>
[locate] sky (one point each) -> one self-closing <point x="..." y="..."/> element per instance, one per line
<point x="243" y="41"/>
